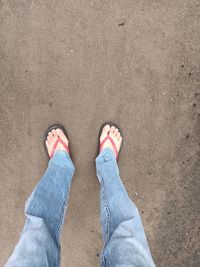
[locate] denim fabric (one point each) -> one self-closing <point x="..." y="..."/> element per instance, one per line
<point x="124" y="238"/>
<point x="125" y="242"/>
<point x="45" y="209"/>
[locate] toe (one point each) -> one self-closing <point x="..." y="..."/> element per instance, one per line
<point x="50" y="135"/>
<point x="112" y="130"/>
<point x="55" y="136"/>
<point x="116" y="131"/>
<point x="105" y="132"/>
<point x="60" y="133"/>
<point x="106" y="128"/>
<point x="47" y="143"/>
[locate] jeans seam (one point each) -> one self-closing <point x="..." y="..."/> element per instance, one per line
<point x="61" y="215"/>
<point x="62" y="210"/>
<point x="57" y="231"/>
<point x="108" y="215"/>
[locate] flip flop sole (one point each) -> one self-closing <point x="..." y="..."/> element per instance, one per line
<point x="101" y="129"/>
<point x="54" y="127"/>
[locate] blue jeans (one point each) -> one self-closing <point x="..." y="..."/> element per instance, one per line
<point x="125" y="243"/>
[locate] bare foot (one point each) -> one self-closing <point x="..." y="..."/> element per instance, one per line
<point x="52" y="138"/>
<point x="114" y="133"/>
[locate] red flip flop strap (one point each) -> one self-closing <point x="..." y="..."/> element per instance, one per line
<point x="112" y="142"/>
<point x="55" y="145"/>
<point x="64" y="144"/>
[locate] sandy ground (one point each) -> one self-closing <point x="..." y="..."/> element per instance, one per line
<point x="82" y="63"/>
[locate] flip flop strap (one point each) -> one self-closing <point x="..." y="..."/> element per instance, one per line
<point x="59" y="140"/>
<point x="112" y="142"/>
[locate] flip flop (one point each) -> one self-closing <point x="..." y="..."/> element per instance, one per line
<point x="59" y="140"/>
<point x="109" y="138"/>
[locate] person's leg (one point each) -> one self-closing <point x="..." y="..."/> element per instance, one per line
<point x="39" y="244"/>
<point x="125" y="242"/>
